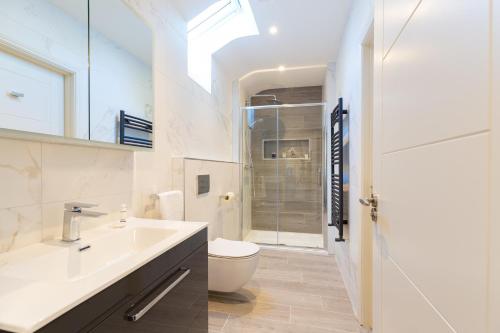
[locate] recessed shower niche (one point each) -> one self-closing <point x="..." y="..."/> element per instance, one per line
<point x="286" y="149"/>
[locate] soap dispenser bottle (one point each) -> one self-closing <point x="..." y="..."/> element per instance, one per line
<point x="123" y="214"/>
<point x="123" y="218"/>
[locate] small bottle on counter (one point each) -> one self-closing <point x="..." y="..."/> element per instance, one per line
<point x="123" y="218"/>
<point x="123" y="214"/>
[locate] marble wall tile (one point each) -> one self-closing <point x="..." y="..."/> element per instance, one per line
<point x="20" y="173"/>
<point x="42" y="177"/>
<point x="74" y="173"/>
<point x="20" y="226"/>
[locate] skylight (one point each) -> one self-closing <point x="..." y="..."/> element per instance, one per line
<point x="211" y="30"/>
<point x="214" y="14"/>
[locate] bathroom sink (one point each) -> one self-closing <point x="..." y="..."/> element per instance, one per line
<point x="72" y="261"/>
<point x="42" y="281"/>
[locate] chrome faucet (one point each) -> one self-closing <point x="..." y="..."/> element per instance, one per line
<point x="72" y="213"/>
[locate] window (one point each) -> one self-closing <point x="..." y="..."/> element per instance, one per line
<point x="211" y="30"/>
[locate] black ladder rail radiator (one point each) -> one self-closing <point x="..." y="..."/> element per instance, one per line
<point x="337" y="155"/>
<point x="138" y="126"/>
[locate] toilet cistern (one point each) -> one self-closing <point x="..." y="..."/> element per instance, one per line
<point x="71" y="223"/>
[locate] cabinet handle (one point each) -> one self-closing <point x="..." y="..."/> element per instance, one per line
<point x="139" y="310"/>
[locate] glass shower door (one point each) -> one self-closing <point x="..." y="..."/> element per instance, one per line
<point x="282" y="158"/>
<point x="260" y="175"/>
<point x="300" y="174"/>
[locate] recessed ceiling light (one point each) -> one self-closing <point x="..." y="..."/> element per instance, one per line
<point x="273" y="30"/>
<point x="281" y="68"/>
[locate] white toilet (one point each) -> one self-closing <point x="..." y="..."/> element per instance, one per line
<point x="231" y="264"/>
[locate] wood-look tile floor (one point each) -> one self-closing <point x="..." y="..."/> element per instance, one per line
<point x="291" y="292"/>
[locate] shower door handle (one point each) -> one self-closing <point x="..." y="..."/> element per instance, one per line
<point x="319" y="177"/>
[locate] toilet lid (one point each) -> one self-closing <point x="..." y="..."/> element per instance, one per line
<point x="231" y="249"/>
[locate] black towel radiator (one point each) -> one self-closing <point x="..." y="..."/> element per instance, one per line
<point x="138" y="126"/>
<point x="337" y="159"/>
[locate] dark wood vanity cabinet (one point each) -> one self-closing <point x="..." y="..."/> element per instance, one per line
<point x="167" y="295"/>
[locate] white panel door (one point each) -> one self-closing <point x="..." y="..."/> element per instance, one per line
<point x="432" y="166"/>
<point x="31" y="97"/>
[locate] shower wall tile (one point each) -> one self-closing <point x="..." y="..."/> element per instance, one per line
<point x="310" y="207"/>
<point x="293" y="222"/>
<point x="288" y="168"/>
<point x="275" y="185"/>
<point x="296" y="95"/>
<point x="292" y="194"/>
<point x="300" y="132"/>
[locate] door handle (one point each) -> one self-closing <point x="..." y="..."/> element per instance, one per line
<point x="365" y="202"/>
<point x="371" y="201"/>
<point x="150" y="300"/>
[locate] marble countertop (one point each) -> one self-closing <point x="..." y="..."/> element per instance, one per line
<point x="30" y="301"/>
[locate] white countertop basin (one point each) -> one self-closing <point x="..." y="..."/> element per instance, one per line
<point x="40" y="282"/>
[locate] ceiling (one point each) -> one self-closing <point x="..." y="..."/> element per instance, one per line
<point x="309" y="34"/>
<point x="260" y="80"/>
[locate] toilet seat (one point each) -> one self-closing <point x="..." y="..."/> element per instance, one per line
<point x="228" y="249"/>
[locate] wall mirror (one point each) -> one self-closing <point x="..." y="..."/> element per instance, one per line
<point x="69" y="67"/>
<point x="120" y="74"/>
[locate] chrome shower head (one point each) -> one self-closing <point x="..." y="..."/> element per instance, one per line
<point x="274" y="100"/>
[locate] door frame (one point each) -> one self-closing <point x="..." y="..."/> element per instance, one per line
<point x="367" y="232"/>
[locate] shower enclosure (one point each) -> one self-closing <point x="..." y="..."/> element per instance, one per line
<point x="282" y="155"/>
